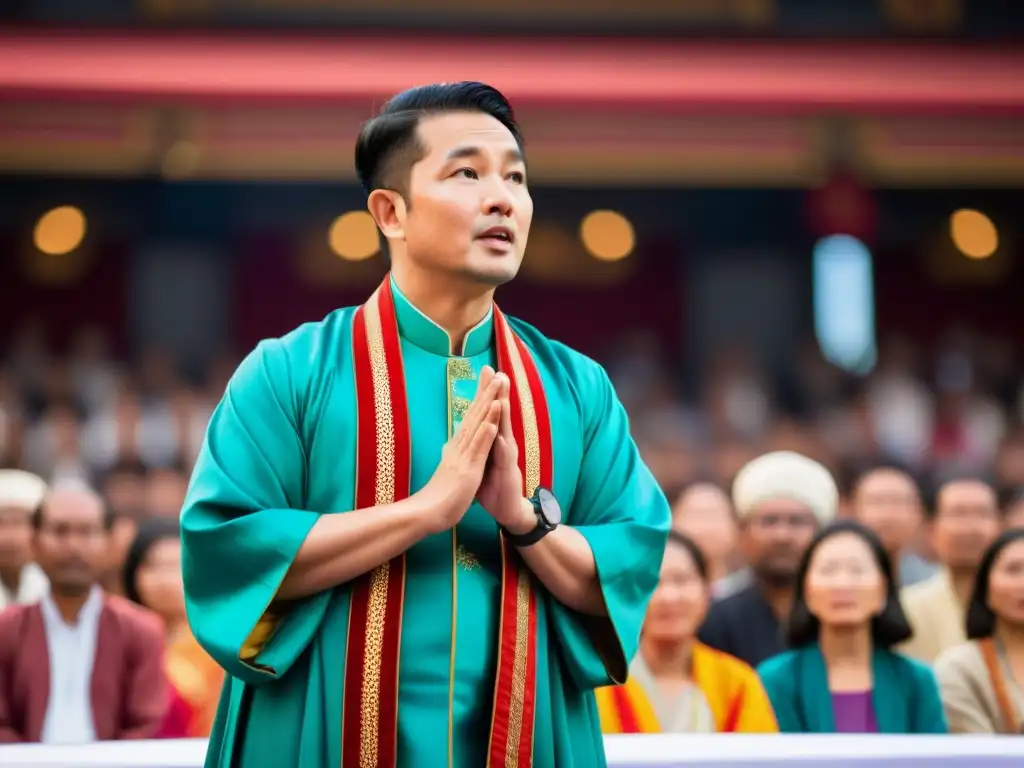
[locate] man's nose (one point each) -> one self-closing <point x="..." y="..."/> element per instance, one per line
<point x="498" y="200"/>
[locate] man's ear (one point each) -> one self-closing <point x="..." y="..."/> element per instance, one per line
<point x="388" y="210"/>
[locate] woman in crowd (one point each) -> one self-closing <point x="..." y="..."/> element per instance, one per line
<point x="676" y="684"/>
<point x="840" y="675"/>
<point x="982" y="681"/>
<point x="152" y="578"/>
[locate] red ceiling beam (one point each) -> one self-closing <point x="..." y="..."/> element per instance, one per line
<point x="742" y="76"/>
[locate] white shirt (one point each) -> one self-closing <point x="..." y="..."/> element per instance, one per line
<point x="32" y="585"/>
<point x="72" y="650"/>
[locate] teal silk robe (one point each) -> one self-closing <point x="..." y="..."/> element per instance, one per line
<point x="280" y="452"/>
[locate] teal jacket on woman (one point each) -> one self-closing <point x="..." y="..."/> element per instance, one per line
<point x="905" y="696"/>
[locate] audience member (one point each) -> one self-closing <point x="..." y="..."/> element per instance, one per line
<point x="152" y="578"/>
<point x="841" y="676"/>
<point x="888" y="501"/>
<point x="21" y="580"/>
<point x="78" y="666"/>
<point x="781" y="499"/>
<point x="704" y="512"/>
<point x="965" y="521"/>
<point x="677" y="684"/>
<point x="982" y="681"/>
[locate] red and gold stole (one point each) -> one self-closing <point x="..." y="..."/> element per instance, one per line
<point x="370" y="723"/>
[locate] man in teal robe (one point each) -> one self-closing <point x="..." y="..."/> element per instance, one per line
<point x="269" y="563"/>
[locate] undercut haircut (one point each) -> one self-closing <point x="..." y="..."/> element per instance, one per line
<point x="388" y="145"/>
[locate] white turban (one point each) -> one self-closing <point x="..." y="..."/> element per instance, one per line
<point x="21" y="490"/>
<point x="789" y="476"/>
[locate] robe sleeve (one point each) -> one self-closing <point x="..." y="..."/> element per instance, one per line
<point x="242" y="524"/>
<point x="621" y="511"/>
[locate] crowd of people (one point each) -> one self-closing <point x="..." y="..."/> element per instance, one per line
<point x="846" y="556"/>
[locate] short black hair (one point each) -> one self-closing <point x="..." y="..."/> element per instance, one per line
<point x="888" y="628"/>
<point x="953" y="478"/>
<point x="388" y="145"/>
<point x="108" y="514"/>
<point x="981" y="620"/>
<point x="150" y="531"/>
<point x="696" y="553"/>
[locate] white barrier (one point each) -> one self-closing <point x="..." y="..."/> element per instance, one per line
<point x="623" y="752"/>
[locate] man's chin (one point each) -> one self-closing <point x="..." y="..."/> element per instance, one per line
<point x="492" y="275"/>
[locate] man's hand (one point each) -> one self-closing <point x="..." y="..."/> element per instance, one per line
<point x="449" y="493"/>
<point x="501" y="492"/>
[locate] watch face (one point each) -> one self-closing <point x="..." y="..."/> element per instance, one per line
<point x="549" y="508"/>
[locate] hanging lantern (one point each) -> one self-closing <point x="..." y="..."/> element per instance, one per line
<point x="843" y="206"/>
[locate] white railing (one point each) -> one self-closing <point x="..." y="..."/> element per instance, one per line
<point x="623" y="752"/>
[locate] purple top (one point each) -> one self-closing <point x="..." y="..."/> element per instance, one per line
<point x="854" y="712"/>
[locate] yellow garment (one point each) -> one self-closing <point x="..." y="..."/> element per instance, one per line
<point x="730" y="686"/>
<point x="197" y="678"/>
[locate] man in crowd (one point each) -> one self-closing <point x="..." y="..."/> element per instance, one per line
<point x="78" y="665"/>
<point x="21" y="580"/>
<point x="781" y="499"/>
<point x="703" y="511"/>
<point x="966" y="519"/>
<point x="887" y="501"/>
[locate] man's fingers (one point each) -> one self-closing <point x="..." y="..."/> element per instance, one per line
<point x="485" y="395"/>
<point x="505" y="425"/>
<point x="482" y="440"/>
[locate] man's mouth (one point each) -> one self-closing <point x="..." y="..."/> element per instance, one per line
<point x="497" y="235"/>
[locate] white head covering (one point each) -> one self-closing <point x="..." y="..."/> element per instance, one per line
<point x="20" y="489"/>
<point x="790" y="476"/>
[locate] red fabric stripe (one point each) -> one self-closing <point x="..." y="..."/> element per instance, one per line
<point x="540" y="409"/>
<point x="624" y="707"/>
<point x="732" y="718"/>
<point x="366" y="460"/>
<point x="505" y="366"/>
<point x="387" y="727"/>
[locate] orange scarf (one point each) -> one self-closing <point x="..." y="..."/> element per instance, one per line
<point x="731" y="688"/>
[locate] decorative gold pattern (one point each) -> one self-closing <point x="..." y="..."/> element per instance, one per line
<point x="530" y="434"/>
<point x="515" y="711"/>
<point x="377" y="606"/>
<point x="466" y="559"/>
<point x="459" y="406"/>
<point x="382" y="402"/>
<point x="375" y="612"/>
<point x="459" y="369"/>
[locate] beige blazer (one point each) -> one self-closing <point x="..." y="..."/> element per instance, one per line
<point x="935" y="615"/>
<point x="969" y="697"/>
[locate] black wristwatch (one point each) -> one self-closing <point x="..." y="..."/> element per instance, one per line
<point x="549" y="517"/>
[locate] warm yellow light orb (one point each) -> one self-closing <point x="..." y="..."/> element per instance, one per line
<point x="607" y="235"/>
<point x="973" y="233"/>
<point x="353" y="236"/>
<point x="60" y="230"/>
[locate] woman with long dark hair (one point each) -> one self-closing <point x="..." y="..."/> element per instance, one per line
<point x="841" y="675"/>
<point x="982" y="680"/>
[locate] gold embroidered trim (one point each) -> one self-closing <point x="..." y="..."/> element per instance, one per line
<point x="382" y="402"/>
<point x="385" y="494"/>
<point x="459" y="406"/>
<point x="530" y="434"/>
<point x="459" y="369"/>
<point x="466" y="559"/>
<point x="515" y="710"/>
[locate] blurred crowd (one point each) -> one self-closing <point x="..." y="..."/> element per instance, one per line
<point x="822" y="522"/>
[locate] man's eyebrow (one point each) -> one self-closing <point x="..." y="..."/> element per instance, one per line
<point x="512" y="155"/>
